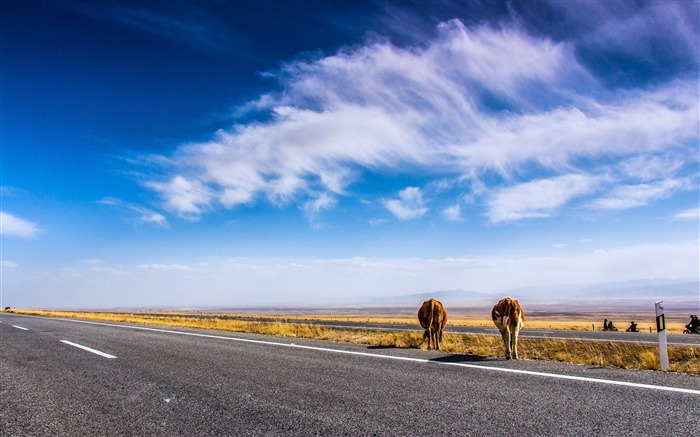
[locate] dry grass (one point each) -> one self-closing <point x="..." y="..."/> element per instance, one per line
<point x="578" y="322"/>
<point x="628" y="355"/>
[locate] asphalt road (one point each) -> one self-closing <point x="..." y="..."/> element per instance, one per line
<point x="184" y="382"/>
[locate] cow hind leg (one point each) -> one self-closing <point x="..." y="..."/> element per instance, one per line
<point x="506" y="342"/>
<point x="514" y="343"/>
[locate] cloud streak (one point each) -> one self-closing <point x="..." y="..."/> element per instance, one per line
<point x="187" y="23"/>
<point x="145" y="215"/>
<point x="12" y="226"/>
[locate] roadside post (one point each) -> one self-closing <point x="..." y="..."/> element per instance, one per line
<point x="661" y="329"/>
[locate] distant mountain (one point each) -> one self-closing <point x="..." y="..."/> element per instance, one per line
<point x="638" y="294"/>
<point x="447" y="297"/>
<point x="684" y="292"/>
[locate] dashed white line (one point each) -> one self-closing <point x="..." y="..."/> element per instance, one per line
<point x="85" y="348"/>
<point x="20" y="327"/>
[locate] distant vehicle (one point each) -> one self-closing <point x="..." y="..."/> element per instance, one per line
<point x="8" y="309"/>
<point x="693" y="327"/>
<point x="608" y="326"/>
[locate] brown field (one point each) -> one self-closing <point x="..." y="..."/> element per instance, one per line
<point x="578" y="319"/>
<point x="628" y="355"/>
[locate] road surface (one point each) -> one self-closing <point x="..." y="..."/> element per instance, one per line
<point x="68" y="377"/>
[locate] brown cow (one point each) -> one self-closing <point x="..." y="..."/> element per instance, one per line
<point x="433" y="318"/>
<point x="508" y="317"/>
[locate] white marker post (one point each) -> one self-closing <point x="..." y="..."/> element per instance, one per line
<point x="661" y="329"/>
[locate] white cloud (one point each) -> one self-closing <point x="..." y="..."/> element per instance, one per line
<point x="145" y="215"/>
<point x="631" y="196"/>
<point x="452" y="213"/>
<point x="688" y="214"/>
<point x="409" y="205"/>
<point x="6" y="263"/>
<point x="422" y="110"/>
<point x="313" y="207"/>
<point x="164" y="267"/>
<point x="651" y="167"/>
<point x="186" y="197"/>
<point x="377" y="222"/>
<point x="92" y="261"/>
<point x="643" y="123"/>
<point x="12" y="226"/>
<point x="540" y="198"/>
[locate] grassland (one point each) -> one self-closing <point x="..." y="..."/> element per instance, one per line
<point x="629" y="355"/>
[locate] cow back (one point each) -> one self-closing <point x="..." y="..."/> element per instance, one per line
<point x="432" y="314"/>
<point x="508" y="311"/>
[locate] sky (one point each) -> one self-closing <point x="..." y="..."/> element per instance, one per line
<point x="224" y="153"/>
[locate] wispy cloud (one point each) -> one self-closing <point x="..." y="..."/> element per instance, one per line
<point x="651" y="167"/>
<point x="187" y="23"/>
<point x="12" y="226"/>
<point x="6" y="263"/>
<point x="6" y="191"/>
<point x="313" y="207"/>
<point x="452" y="213"/>
<point x="540" y="198"/>
<point x="145" y="215"/>
<point x="631" y="196"/>
<point x="187" y="197"/>
<point x="643" y="179"/>
<point x="164" y="267"/>
<point x="476" y="104"/>
<point x="660" y="36"/>
<point x="688" y="214"/>
<point x="409" y="205"/>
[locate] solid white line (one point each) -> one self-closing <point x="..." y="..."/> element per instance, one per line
<point x="393" y="357"/>
<point x="94" y="351"/>
<point x="19" y="327"/>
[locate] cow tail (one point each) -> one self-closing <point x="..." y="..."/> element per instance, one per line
<point x="433" y="337"/>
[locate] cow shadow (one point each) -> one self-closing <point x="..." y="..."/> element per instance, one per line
<point x="460" y="358"/>
<point x="382" y="347"/>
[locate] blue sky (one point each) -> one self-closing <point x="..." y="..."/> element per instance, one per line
<point x="230" y="153"/>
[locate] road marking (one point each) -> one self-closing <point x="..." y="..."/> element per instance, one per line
<point x="85" y="348"/>
<point x="19" y="327"/>
<point x="393" y="357"/>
